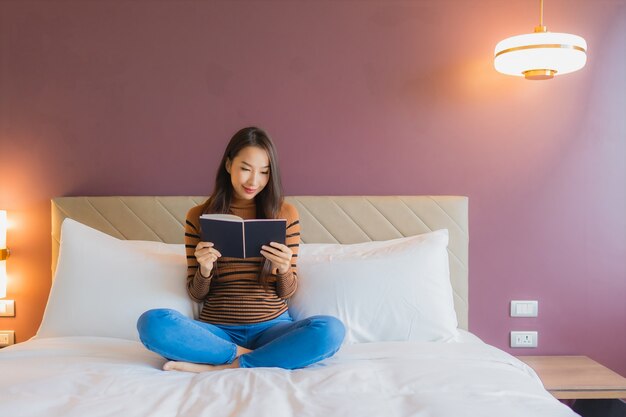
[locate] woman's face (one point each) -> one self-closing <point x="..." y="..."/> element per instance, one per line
<point x="249" y="172"/>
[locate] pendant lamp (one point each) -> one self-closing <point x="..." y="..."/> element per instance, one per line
<point x="540" y="55"/>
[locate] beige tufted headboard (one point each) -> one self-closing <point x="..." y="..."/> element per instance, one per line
<point x="324" y="219"/>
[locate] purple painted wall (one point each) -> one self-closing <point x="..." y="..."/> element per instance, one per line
<point x="362" y="97"/>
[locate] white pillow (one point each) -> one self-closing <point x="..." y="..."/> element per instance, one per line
<point x="103" y="284"/>
<point x="391" y="290"/>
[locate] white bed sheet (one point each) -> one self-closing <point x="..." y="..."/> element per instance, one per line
<point x="87" y="376"/>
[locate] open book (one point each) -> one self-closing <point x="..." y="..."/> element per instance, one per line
<point x="238" y="238"/>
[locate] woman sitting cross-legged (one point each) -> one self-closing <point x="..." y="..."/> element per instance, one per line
<point x="245" y="321"/>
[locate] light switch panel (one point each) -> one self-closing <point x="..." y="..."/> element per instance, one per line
<point x="7" y="308"/>
<point x="524" y="308"/>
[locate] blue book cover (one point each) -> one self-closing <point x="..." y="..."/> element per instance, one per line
<point x="235" y="237"/>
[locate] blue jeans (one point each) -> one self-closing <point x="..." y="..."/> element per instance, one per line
<point x="280" y="342"/>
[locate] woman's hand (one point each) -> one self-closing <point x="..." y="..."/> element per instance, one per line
<point x="279" y="255"/>
<point x="206" y="255"/>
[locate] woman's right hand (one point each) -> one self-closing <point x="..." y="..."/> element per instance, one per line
<point x="206" y="255"/>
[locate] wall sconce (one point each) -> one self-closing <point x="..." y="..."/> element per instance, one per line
<point x="4" y="253"/>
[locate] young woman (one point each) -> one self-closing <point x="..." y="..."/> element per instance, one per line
<point x="244" y="320"/>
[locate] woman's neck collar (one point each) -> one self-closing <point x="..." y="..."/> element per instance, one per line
<point x="241" y="203"/>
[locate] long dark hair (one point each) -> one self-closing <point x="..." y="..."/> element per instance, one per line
<point x="268" y="201"/>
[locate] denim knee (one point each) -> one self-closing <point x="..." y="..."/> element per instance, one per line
<point x="332" y="330"/>
<point x="152" y="321"/>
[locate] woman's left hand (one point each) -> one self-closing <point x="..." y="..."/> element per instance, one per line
<point x="279" y="255"/>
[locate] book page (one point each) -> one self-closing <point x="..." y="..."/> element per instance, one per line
<point x="226" y="217"/>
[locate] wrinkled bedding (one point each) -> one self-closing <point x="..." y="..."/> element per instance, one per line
<point x="89" y="376"/>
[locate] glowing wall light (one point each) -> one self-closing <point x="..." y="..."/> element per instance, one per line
<point x="4" y="253"/>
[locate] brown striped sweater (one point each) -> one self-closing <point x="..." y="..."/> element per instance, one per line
<point x="232" y="293"/>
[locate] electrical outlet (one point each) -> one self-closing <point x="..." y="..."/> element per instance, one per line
<point x="524" y="339"/>
<point x="7" y="337"/>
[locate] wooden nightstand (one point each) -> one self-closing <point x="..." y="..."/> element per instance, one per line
<point x="576" y="377"/>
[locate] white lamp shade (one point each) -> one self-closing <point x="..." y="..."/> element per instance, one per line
<point x="3" y="279"/>
<point x="557" y="52"/>
<point x="3" y="245"/>
<point x="3" y="229"/>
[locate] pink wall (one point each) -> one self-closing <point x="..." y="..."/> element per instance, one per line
<point x="362" y="97"/>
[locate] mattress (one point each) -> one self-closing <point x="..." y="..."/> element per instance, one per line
<point x="96" y="376"/>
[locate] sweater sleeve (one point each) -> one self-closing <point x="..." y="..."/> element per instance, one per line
<point x="197" y="285"/>
<point x="287" y="283"/>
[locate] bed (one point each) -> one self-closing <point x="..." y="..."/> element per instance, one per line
<point x="393" y="268"/>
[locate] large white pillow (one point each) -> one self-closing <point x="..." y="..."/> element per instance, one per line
<point x="382" y="291"/>
<point x="103" y="284"/>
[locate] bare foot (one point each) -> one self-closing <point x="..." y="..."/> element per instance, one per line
<point x="198" y="367"/>
<point x="201" y="367"/>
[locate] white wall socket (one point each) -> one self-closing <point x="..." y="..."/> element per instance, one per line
<point x="7" y="337"/>
<point x="524" y="339"/>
